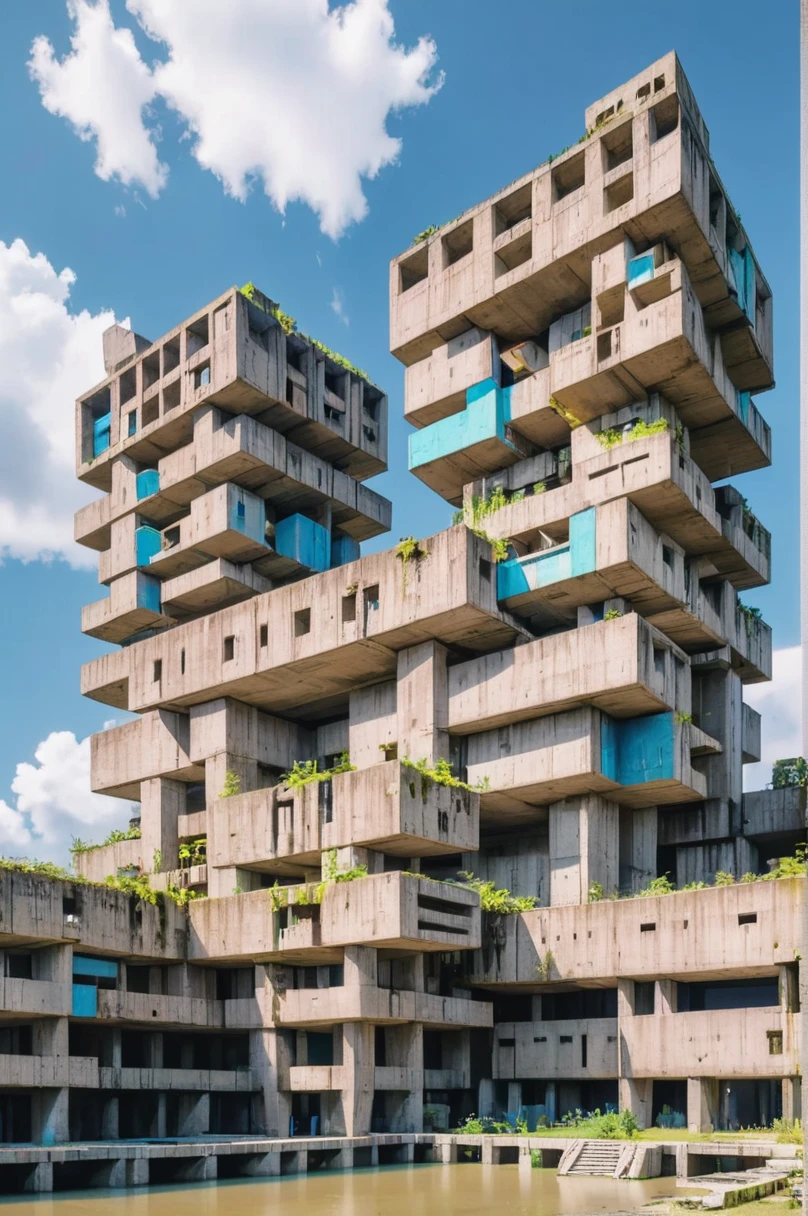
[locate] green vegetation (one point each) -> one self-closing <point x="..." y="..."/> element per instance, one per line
<point x="442" y="773"/>
<point x="539" y="488"/>
<point x="789" y="772"/>
<point x="609" y="1126"/>
<point x="289" y="326"/>
<point x="752" y="617"/>
<point x="658" y="886"/>
<point x="613" y="436"/>
<point x="409" y="550"/>
<point x="493" y="899"/>
<point x="306" y="894"/>
<point x="420" y="237"/>
<point x="788" y="1131"/>
<point x="116" y="835"/>
<point x="232" y="784"/>
<point x="139" y="886"/>
<point x="613" y="614"/>
<point x="595" y="892"/>
<point x="545" y="965"/>
<point x="303" y="773"/>
<point x="682" y="716"/>
<point x="193" y="853"/>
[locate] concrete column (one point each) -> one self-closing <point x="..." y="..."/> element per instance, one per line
<point x="638" y="848"/>
<point x="422" y="702"/>
<point x="110" y="1119"/>
<point x="49" y="1116"/>
<point x="50" y="1037"/>
<point x="360" y="967"/>
<point x="447" y="1153"/>
<point x="161" y="801"/>
<point x="665" y="997"/>
<point x="263" y="1165"/>
<point x="485" y="1098"/>
<point x="137" y="1172"/>
<point x="161" y="1117"/>
<point x="226" y="880"/>
<point x="271" y="1057"/>
<point x="514" y="1096"/>
<point x="636" y="1094"/>
<point x="702" y="1104"/>
<point x="584" y="848"/>
<point x="551" y="1100"/>
<point x="194" y="1114"/>
<point x="792" y="1098"/>
<point x="358" y="1051"/>
<point x="40" y="1179"/>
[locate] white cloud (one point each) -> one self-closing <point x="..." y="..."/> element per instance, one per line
<point x="102" y="88"/>
<point x="779" y="703"/>
<point x="53" y="802"/>
<point x="49" y="355"/>
<point x="289" y="93"/>
<point x="338" y="306"/>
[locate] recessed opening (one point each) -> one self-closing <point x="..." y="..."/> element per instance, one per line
<point x="643" y="92"/>
<point x="643" y="998"/>
<point x="485" y="570"/>
<point x="618" y="193"/>
<point x="151" y="410"/>
<point x="648" y="927"/>
<point x="569" y="176"/>
<point x="131" y="423"/>
<point x="196" y="336"/>
<point x="747" y="918"/>
<point x="302" y="622"/>
<point x="390" y="751"/>
<point x="565" y="1038"/>
<point x="659" y="84"/>
<point x="667" y="555"/>
<point x="151" y="369"/>
<point x="229" y="648"/>
<point x="201" y="376"/>
<point x="371" y="401"/>
<point x="612" y="305"/>
<point x="335" y="381"/>
<point x="348" y="608"/>
<point x="513" y="209"/>
<point x="605" y="345"/>
<point x="171" y="537"/>
<point x="127" y="385"/>
<point x="263" y="635"/>
<point x="414" y="269"/>
<point x="157" y="671"/>
<point x="171" y="355"/>
<point x="664" y="118"/>
<point x="617" y="146"/>
<point x="604" y="114"/>
<point x="172" y="395"/>
<point x="458" y="243"/>
<point x="775" y="1038"/>
<point x="514" y="254"/>
<point x="182" y="661"/>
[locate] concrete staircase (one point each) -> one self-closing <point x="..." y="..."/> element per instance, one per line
<point x="592" y="1157"/>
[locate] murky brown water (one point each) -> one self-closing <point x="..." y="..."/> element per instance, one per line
<point x="451" y="1190"/>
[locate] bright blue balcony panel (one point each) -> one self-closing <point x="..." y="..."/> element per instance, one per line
<point x="487" y="416"/>
<point x="640" y="269"/>
<point x="85" y="1001"/>
<point x="304" y="541"/>
<point x="101" y="434"/>
<point x="521" y="575"/>
<point x="247" y="513"/>
<point x="344" y="549"/>
<point x="741" y="274"/>
<point x="100" y="968"/>
<point x="148" y="542"/>
<point x="147" y="483"/>
<point x="635" y="751"/>
<point x="148" y="592"/>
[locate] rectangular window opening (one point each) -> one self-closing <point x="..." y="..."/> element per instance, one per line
<point x="171" y="355"/>
<point x="302" y="622"/>
<point x="458" y="243"/>
<point x="349" y="608"/>
<point x="151" y="410"/>
<point x="229" y="648"/>
<point x="617" y="146"/>
<point x="618" y="193"/>
<point x="131" y="424"/>
<point x="196" y="336"/>
<point x="263" y="635"/>
<point x="664" y="118"/>
<point x="513" y="209"/>
<point x="157" y="671"/>
<point x="202" y="376"/>
<point x="568" y="176"/>
<point x="172" y="395"/>
<point x="747" y="918"/>
<point x="414" y="269"/>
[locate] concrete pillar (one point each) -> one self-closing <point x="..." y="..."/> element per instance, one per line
<point x="50" y="1116"/>
<point x="792" y="1098"/>
<point x="263" y="1165"/>
<point x="358" y="1052"/>
<point x="584" y="848"/>
<point x="551" y="1100"/>
<point x="514" y="1097"/>
<point x="161" y="801"/>
<point x="110" y="1118"/>
<point x="638" y="848"/>
<point x="194" y="1114"/>
<point x="360" y="967"/>
<point x="161" y="1117"/>
<point x="636" y="1094"/>
<point x="270" y="1057"/>
<point x="137" y="1172"/>
<point x="485" y="1098"/>
<point x="702" y="1104"/>
<point x="447" y="1152"/>
<point x="422" y="702"/>
<point x="40" y="1178"/>
<point x="665" y="997"/>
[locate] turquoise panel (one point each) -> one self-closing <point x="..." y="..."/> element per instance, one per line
<point x="637" y="750"/>
<point x="344" y="549"/>
<point x="487" y="413"/>
<point x="101" y="434"/>
<point x="640" y="269"/>
<point x="742" y="406"/>
<point x="83" y="964"/>
<point x="85" y="1000"/>
<point x="304" y="541"/>
<point x="247" y="513"/>
<point x="148" y="542"/>
<point x="742" y="276"/>
<point x="148" y="593"/>
<point x="523" y="574"/>
<point x="147" y="483"/>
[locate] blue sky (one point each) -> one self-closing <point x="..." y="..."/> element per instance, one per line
<point x="517" y="79"/>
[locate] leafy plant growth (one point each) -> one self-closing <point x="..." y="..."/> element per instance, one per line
<point x="232" y="785"/>
<point x="116" y="835"/>
<point x="613" y="435"/>
<point x="442" y="773"/>
<point x="305" y="771"/>
<point x="495" y="899"/>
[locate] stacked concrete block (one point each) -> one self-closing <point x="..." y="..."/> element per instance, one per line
<point x="548" y="694"/>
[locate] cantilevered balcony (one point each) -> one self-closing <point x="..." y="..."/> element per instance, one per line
<point x="387" y="807"/>
<point x="582" y="1048"/>
<point x="157" y="1010"/>
<point x="133" y="604"/>
<point x="722" y="1043"/>
<point x="312" y="1007"/>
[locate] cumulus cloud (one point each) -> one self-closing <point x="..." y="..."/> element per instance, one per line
<point x="53" y="802"/>
<point x="289" y="93"/>
<point x="779" y="704"/>
<point x="102" y="87"/>
<point x="49" y="355"/>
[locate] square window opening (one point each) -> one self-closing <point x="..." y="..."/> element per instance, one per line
<point x="619" y="193"/>
<point x="172" y="394"/>
<point x="414" y="269"/>
<point x="196" y="336"/>
<point x="643" y="92"/>
<point x="348" y="608"/>
<point x="171" y="355"/>
<point x="659" y="84"/>
<point x="510" y="211"/>
<point x="458" y="243"/>
<point x="229" y="648"/>
<point x="151" y="410"/>
<point x="617" y="146"/>
<point x="302" y="622"/>
<point x="127" y="385"/>
<point x="151" y="370"/>
<point x="568" y="176"/>
<point x="604" y="114"/>
<point x="202" y="376"/>
<point x="664" y="118"/>
<point x="514" y="254"/>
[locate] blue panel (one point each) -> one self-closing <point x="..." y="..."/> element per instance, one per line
<point x="101" y="434"/>
<point x="147" y="483"/>
<point x="344" y="549"/>
<point x="304" y="541"/>
<point x="742" y="406"/>
<point x="148" y="543"/>
<point x="247" y="513"/>
<point x="85" y="1000"/>
<point x="582" y="541"/>
<point x="640" y="269"/>
<point x="486" y="416"/>
<point x="538" y="570"/>
<point x="741" y="268"/>
<point x="132" y="428"/>
<point x="148" y="593"/>
<point x="637" y="750"/>
<point x="83" y="964"/>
